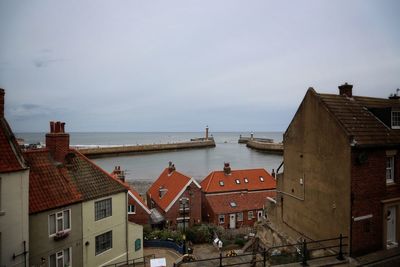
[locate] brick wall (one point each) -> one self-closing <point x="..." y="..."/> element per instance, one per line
<point x="369" y="188"/>
<point x="140" y="216"/>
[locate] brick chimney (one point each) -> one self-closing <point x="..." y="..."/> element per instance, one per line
<point x="57" y="141"/>
<point x="346" y="90"/>
<point x="171" y="167"/>
<point x="2" y="93"/>
<point x="227" y="168"/>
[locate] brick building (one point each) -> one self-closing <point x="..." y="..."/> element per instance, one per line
<point x="235" y="198"/>
<point x="176" y="197"/>
<point x="138" y="212"/>
<point x="341" y="155"/>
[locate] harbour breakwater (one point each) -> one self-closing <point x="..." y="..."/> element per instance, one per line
<point x="274" y="148"/>
<point x="99" y="152"/>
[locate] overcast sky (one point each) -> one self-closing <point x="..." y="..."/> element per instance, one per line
<point x="182" y="65"/>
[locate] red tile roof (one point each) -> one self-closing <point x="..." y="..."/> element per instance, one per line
<point x="10" y="155"/>
<point x="52" y="184"/>
<point x="218" y="181"/>
<point x="221" y="203"/>
<point x="173" y="183"/>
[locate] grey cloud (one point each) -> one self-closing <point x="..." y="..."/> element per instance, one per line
<point x="40" y="63"/>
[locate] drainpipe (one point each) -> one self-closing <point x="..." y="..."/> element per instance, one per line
<point x="126" y="227"/>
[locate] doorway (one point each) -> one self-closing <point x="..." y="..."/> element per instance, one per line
<point x="232" y="220"/>
<point x="391" y="240"/>
<point x="259" y="215"/>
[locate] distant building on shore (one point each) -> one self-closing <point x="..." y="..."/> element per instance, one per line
<point x="176" y="199"/>
<point x="342" y="170"/>
<point x="14" y="189"/>
<point x="235" y="198"/>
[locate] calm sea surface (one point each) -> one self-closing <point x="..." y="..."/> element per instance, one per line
<point x="197" y="163"/>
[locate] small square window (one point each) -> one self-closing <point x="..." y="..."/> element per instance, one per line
<point x="221" y="219"/>
<point x="250" y="215"/>
<point x="131" y="209"/>
<point x="102" y="209"/>
<point x="240" y="216"/>
<point x="396" y="119"/>
<point x="390" y="169"/>
<point x="237" y="181"/>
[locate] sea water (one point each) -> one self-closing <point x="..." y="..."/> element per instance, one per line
<point x="196" y="163"/>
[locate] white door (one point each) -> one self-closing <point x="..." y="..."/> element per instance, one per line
<point x="391" y="227"/>
<point x="232" y="220"/>
<point x="259" y="215"/>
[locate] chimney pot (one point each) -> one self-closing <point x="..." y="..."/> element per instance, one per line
<point x="2" y="93"/>
<point x="346" y="90"/>
<point x="52" y="127"/>
<point x="227" y="168"/>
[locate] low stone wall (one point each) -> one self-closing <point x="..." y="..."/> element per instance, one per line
<point x="276" y="148"/>
<point x="123" y="150"/>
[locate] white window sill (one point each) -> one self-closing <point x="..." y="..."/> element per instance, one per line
<point x="65" y="231"/>
<point x="389" y="183"/>
<point x="131" y="213"/>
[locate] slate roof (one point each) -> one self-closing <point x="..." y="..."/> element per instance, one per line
<point x="221" y="203"/>
<point x="53" y="185"/>
<point x="212" y="183"/>
<point x="173" y="183"/>
<point x="10" y="154"/>
<point x="356" y="119"/>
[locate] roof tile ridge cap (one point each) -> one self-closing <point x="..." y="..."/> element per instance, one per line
<point x="325" y="105"/>
<point x="209" y="181"/>
<point x="96" y="166"/>
<point x="10" y="136"/>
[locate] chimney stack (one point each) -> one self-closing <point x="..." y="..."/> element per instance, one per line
<point x="346" y="90"/>
<point x="2" y="93"/>
<point x="227" y="168"/>
<point x="57" y="141"/>
<point x="171" y="167"/>
<point x="207" y="132"/>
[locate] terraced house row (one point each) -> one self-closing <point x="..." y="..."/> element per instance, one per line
<point x="58" y="208"/>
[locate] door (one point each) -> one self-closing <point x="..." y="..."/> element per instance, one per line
<point x="391" y="227"/>
<point x="232" y="220"/>
<point x="259" y="215"/>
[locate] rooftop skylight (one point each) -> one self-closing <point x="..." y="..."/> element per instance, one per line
<point x="246" y="180"/>
<point x="221" y="183"/>
<point x="237" y="181"/>
<point x="261" y="179"/>
<point x="233" y="204"/>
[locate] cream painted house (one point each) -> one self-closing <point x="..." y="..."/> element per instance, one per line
<point x="78" y="212"/>
<point x="14" y="175"/>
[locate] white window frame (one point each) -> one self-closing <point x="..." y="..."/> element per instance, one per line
<point x="221" y="216"/>
<point x="390" y="169"/>
<point x="130" y="211"/>
<point x="107" y="214"/>
<point x="61" y="257"/>
<point x="103" y="250"/>
<point x="59" y="216"/>
<point x="395" y="123"/>
<point x="250" y="217"/>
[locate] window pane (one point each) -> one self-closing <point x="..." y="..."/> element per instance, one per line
<point x="52" y="224"/>
<point x="66" y="219"/>
<point x="103" y="242"/>
<point x="60" y="262"/>
<point x="52" y="260"/>
<point x="59" y="225"/>
<point x="66" y="256"/>
<point x="103" y="209"/>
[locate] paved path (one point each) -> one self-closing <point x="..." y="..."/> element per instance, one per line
<point x="170" y="255"/>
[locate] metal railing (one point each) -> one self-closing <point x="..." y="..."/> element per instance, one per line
<point x="301" y="252"/>
<point x="142" y="261"/>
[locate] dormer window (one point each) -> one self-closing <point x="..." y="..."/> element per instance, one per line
<point x="237" y="181"/>
<point x="221" y="183"/>
<point x="395" y="119"/>
<point x="246" y="180"/>
<point x="261" y="179"/>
